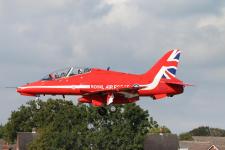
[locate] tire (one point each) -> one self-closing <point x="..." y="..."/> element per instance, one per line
<point x="102" y="111"/>
<point x="112" y="109"/>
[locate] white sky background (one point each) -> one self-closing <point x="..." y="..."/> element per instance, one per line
<point x="38" y="37"/>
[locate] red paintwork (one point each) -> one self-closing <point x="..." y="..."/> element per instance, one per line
<point x="97" y="86"/>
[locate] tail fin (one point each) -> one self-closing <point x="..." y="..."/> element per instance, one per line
<point x="166" y="67"/>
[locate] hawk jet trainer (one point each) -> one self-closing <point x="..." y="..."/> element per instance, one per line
<point x="102" y="87"/>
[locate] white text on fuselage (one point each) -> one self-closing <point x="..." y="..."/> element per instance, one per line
<point x="109" y="87"/>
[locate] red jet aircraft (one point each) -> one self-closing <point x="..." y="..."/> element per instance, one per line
<point x="101" y="87"/>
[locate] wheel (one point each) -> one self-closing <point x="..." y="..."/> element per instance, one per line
<point x="102" y="111"/>
<point x="112" y="108"/>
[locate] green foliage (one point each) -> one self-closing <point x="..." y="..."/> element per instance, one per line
<point x="207" y="131"/>
<point x="1" y="131"/>
<point x="62" y="125"/>
<point x="200" y="131"/>
<point x="19" y="121"/>
<point x="162" y="129"/>
<point x="217" y="132"/>
<point x="185" y="136"/>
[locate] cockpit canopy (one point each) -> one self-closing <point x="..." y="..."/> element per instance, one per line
<point x="67" y="72"/>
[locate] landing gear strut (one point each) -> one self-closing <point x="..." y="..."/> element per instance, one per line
<point x="37" y="99"/>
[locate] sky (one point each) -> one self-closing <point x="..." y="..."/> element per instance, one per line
<point x="38" y="37"/>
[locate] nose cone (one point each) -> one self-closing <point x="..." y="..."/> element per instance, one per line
<point x="19" y="89"/>
<point x="24" y="90"/>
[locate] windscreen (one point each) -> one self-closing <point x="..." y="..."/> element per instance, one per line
<point x="66" y="73"/>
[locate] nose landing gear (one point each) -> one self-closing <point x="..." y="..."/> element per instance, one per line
<point x="37" y="100"/>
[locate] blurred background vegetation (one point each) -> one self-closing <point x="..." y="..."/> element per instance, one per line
<point x="62" y="125"/>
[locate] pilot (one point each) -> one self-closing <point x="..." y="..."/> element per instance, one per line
<point x="79" y="71"/>
<point x="51" y="76"/>
<point x="63" y="74"/>
<point x="56" y="76"/>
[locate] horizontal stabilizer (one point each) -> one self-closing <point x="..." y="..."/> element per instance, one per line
<point x="178" y="83"/>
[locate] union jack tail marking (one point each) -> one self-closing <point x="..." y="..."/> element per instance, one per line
<point x="171" y="64"/>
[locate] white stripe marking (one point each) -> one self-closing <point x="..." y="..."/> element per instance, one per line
<point x="156" y="80"/>
<point x="59" y="87"/>
<point x="161" y="72"/>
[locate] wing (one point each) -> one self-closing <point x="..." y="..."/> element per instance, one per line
<point x="133" y="89"/>
<point x="109" y="96"/>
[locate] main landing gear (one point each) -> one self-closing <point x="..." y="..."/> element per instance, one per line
<point x="112" y="108"/>
<point x="103" y="111"/>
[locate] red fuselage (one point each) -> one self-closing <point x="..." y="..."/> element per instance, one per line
<point x="99" y="87"/>
<point x="95" y="80"/>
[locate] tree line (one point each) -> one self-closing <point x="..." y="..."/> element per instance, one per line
<point x="62" y="125"/>
<point x="202" y="131"/>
